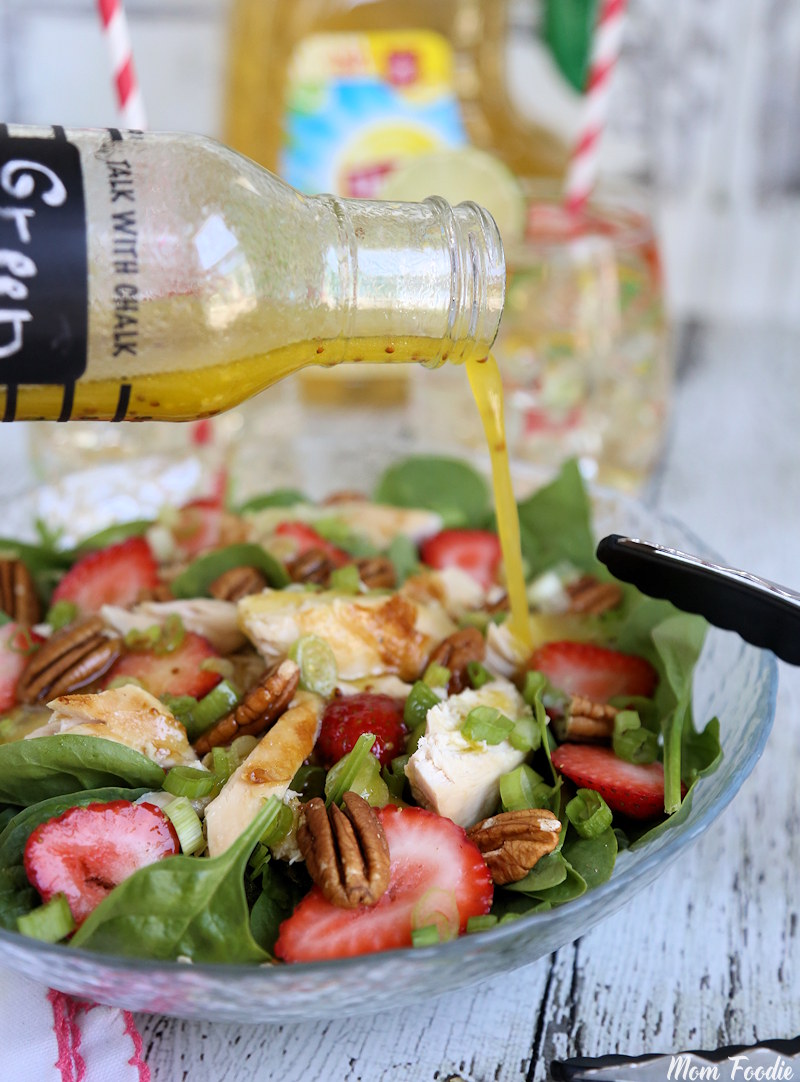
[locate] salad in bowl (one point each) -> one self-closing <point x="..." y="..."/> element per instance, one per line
<point x="295" y="735"/>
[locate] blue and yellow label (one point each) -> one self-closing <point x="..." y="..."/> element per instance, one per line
<point x="360" y="104"/>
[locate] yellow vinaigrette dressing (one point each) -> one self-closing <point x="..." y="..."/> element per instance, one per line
<point x="487" y="388"/>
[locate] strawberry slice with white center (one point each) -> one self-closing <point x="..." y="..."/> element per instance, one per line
<point x="600" y="674"/>
<point x="633" y="789"/>
<point x="85" y="852"/>
<point x="437" y="876"/>
<point x="111" y="576"/>
<point x="475" y="551"/>
<point x="174" y="672"/>
<point x="199" y="526"/>
<point x="16" y="645"/>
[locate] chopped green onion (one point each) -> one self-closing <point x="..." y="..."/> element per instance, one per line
<point x="221" y="764"/>
<point x="394" y="775"/>
<point x="525" y="736"/>
<point x="479" y="620"/>
<point x="189" y="781"/>
<point x="317" y="661"/>
<point x="535" y="684"/>
<point x="486" y="725"/>
<point x="172" y="635"/>
<point x="187" y="824"/>
<point x="346" y="579"/>
<point x="478" y="674"/>
<point x="22" y="642"/>
<point x="419" y="702"/>
<point x="198" y="715"/>
<point x="61" y="614"/>
<point x="589" y="813"/>
<point x="142" y="638"/>
<point x="50" y="922"/>
<point x="523" y="788"/>
<point x="122" y="681"/>
<point x="222" y="665"/>
<point x="425" y="937"/>
<point x="631" y="741"/>
<point x="436" y="676"/>
<point x="481" y="923"/>
<point x="213" y="706"/>
<point x="345" y="771"/>
<point x="279" y="825"/>
<point x="636" y="746"/>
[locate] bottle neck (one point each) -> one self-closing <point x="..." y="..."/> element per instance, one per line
<point x="428" y="277"/>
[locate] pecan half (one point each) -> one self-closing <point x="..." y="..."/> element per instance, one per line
<point x="345" y="495"/>
<point x="586" y="722"/>
<point x="513" y="842"/>
<point x="68" y="660"/>
<point x="161" y="592"/>
<point x="456" y="652"/>
<point x="346" y="851"/>
<point x="589" y="596"/>
<point x="237" y="583"/>
<point x="377" y="572"/>
<point x="18" y="597"/>
<point x="262" y="706"/>
<point x="312" y="566"/>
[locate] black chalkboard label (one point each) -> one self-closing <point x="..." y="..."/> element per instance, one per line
<point x="43" y="265"/>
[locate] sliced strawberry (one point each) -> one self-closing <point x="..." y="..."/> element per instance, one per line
<point x="475" y="551"/>
<point x="198" y="526"/>
<point x="177" y="672"/>
<point x="85" y="852"/>
<point x="579" y="668"/>
<point x="634" y="789"/>
<point x="345" y="719"/>
<point x="17" y="643"/>
<point x="306" y="537"/>
<point x="438" y="876"/>
<point x="112" y="576"/>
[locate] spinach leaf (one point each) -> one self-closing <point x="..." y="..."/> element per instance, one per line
<point x="181" y="906"/>
<point x="47" y="766"/>
<point x="195" y="580"/>
<point x="17" y="896"/>
<point x="592" y="858"/>
<point x="279" y="497"/>
<point x="111" y="535"/>
<point x="403" y="553"/>
<point x="556" y="525"/>
<point x="678" y="641"/>
<point x="445" y="485"/>
<point x="548" y="872"/>
<point x="282" y="889"/>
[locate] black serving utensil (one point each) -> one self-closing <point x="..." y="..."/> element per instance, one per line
<point x="762" y="612"/>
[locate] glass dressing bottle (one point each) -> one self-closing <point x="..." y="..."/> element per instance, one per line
<point x="163" y="276"/>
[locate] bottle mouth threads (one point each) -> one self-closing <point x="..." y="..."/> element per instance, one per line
<point x="478" y="279"/>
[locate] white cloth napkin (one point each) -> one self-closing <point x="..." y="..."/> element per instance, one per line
<point x="46" y="1036"/>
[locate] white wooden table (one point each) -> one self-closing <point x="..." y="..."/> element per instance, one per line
<point x="710" y="954"/>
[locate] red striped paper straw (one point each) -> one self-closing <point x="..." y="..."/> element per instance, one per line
<point x="606" y="43"/>
<point x="118" y="40"/>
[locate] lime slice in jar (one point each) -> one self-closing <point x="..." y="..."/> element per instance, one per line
<point x="457" y="174"/>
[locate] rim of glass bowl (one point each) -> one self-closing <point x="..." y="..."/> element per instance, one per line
<point x="602" y="900"/>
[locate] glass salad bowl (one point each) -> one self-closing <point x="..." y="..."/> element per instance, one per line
<point x="733" y="681"/>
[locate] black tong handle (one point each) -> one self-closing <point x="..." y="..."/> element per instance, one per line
<point x="762" y="612"/>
